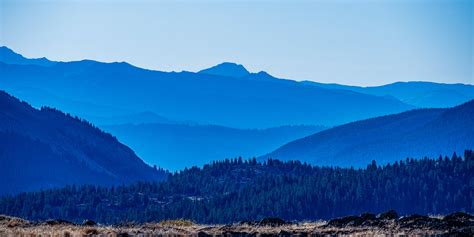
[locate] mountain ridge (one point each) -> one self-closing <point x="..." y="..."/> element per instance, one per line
<point x="227" y="69"/>
<point x="51" y="149"/>
<point x="171" y="145"/>
<point x="421" y="94"/>
<point x="202" y="98"/>
<point x="8" y="55"/>
<point x="384" y="138"/>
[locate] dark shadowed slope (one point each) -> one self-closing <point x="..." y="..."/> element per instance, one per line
<point x="175" y="146"/>
<point x="8" y="56"/>
<point x="200" y="97"/>
<point x="416" y="133"/>
<point x="47" y="148"/>
<point x="419" y="94"/>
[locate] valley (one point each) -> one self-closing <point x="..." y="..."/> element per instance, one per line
<point x="236" y="118"/>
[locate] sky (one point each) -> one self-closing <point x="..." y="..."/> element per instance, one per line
<point x="362" y="43"/>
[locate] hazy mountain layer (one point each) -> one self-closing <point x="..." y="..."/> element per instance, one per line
<point x="419" y="94"/>
<point x="416" y="133"/>
<point x="175" y="146"/>
<point x="253" y="101"/>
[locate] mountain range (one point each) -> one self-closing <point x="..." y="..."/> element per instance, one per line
<point x="417" y="93"/>
<point x="47" y="148"/>
<point x="416" y="133"/>
<point x="255" y="100"/>
<point x="177" y="119"/>
<point x="9" y="56"/>
<point x="178" y="145"/>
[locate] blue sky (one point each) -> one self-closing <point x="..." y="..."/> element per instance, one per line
<point x="348" y="42"/>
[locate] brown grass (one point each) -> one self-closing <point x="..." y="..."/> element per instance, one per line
<point x="172" y="229"/>
<point x="177" y="222"/>
<point x="12" y="227"/>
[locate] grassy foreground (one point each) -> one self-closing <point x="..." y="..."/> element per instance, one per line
<point x="384" y="224"/>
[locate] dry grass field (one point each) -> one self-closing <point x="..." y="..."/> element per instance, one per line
<point x="458" y="224"/>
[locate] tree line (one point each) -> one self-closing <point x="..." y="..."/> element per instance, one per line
<point x="235" y="190"/>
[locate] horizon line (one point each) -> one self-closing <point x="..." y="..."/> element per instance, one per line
<point x="236" y="63"/>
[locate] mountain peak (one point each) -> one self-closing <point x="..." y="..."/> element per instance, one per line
<point x="5" y="49"/>
<point x="9" y="56"/>
<point x="263" y="75"/>
<point x="7" y="53"/>
<point x="226" y="69"/>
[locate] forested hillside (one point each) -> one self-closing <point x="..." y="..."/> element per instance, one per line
<point x="236" y="190"/>
<point x="416" y="133"/>
<point x="47" y="148"/>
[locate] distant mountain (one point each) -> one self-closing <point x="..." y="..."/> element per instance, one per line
<point x="227" y="69"/>
<point x="8" y="56"/>
<point x="416" y="133"/>
<point x="47" y="148"/>
<point x="93" y="112"/>
<point x="175" y="146"/>
<point x="199" y="97"/>
<point x="146" y="117"/>
<point x="419" y="94"/>
<point x="239" y="71"/>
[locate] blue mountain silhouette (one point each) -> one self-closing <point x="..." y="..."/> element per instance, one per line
<point x="227" y="69"/>
<point x="416" y="133"/>
<point x="416" y="93"/>
<point x="123" y="97"/>
<point x="8" y="56"/>
<point x="199" y="97"/>
<point x="47" y="148"/>
<point x="177" y="145"/>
